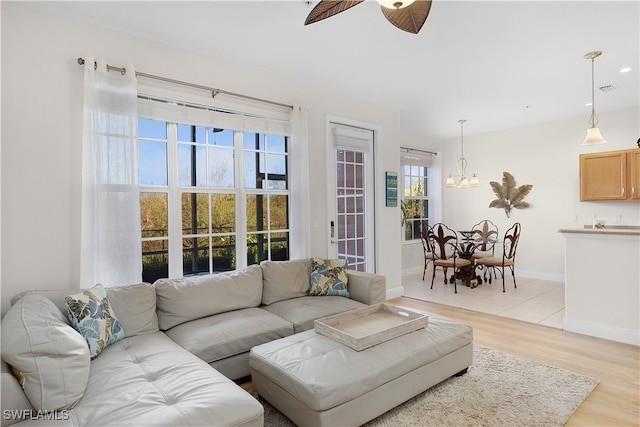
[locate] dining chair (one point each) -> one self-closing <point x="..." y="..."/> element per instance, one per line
<point x="484" y="239"/>
<point x="443" y="242"/>
<point x="424" y="237"/>
<point x="508" y="259"/>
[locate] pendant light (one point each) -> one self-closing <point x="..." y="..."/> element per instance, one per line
<point x="593" y="133"/>
<point x="462" y="167"/>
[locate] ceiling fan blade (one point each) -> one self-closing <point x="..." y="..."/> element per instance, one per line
<point x="410" y="18"/>
<point x="328" y="8"/>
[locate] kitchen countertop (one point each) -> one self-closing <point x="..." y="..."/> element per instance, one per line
<point x="615" y="230"/>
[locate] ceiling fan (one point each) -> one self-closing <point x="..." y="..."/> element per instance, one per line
<point x="408" y="15"/>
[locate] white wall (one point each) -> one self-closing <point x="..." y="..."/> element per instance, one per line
<point x="41" y="140"/>
<point x="603" y="286"/>
<point x="546" y="156"/>
<point x="41" y="134"/>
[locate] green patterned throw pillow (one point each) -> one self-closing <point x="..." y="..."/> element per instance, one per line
<point x="90" y="314"/>
<point x="329" y="277"/>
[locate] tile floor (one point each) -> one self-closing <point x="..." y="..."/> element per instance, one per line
<point x="536" y="301"/>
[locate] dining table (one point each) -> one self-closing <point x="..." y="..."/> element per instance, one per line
<point x="467" y="245"/>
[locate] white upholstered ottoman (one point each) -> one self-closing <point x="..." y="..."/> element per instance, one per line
<point x="317" y="381"/>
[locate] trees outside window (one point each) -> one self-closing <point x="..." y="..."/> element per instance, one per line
<point x="415" y="200"/>
<point x="212" y="199"/>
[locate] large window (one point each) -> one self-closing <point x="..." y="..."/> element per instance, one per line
<point x="414" y="200"/>
<point x="211" y="199"/>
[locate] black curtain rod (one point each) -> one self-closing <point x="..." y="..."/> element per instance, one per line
<point x="214" y="91"/>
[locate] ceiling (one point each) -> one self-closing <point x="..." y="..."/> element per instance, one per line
<point x="498" y="64"/>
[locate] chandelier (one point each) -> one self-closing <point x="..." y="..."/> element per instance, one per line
<point x="462" y="167"/>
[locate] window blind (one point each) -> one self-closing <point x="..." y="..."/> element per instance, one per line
<point x="416" y="158"/>
<point x="351" y="138"/>
<point x="160" y="101"/>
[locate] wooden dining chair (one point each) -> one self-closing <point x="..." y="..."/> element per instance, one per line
<point x="508" y="258"/>
<point x="426" y="249"/>
<point x="443" y="242"/>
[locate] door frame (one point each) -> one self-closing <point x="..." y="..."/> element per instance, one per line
<point x="372" y="261"/>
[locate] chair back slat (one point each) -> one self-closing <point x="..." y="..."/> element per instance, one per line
<point x="424" y="237"/>
<point x="443" y="241"/>
<point x="486" y="235"/>
<point x="511" y="239"/>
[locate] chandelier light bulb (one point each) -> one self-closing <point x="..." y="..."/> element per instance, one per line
<point x="594" y="137"/>
<point x="450" y="183"/>
<point x="395" y="4"/>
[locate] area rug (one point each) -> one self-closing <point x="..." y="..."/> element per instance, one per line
<point x="498" y="390"/>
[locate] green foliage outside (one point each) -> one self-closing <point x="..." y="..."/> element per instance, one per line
<point x="413" y="209"/>
<point x="196" y="221"/>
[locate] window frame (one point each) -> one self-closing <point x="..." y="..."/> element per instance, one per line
<point x="426" y="178"/>
<point x="174" y="191"/>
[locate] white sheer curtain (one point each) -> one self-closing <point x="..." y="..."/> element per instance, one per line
<point x="299" y="152"/>
<point x="110" y="233"/>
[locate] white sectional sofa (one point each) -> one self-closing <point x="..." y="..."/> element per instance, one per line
<point x="176" y="331"/>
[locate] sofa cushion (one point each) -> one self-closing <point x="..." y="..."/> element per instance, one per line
<point x="90" y="314"/>
<point x="285" y="280"/>
<point x="228" y="334"/>
<point x="190" y="298"/>
<point x="52" y="359"/>
<point x="329" y="277"/>
<point x="149" y="380"/>
<point x="303" y="311"/>
<point x="135" y="305"/>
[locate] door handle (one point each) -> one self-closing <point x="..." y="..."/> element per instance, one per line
<point x="333" y="226"/>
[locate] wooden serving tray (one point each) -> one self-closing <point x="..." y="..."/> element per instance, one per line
<point x="368" y="326"/>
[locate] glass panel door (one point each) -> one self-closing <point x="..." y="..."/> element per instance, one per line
<point x="351" y="207"/>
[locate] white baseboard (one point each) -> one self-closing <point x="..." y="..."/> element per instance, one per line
<point x="395" y="292"/>
<point x="613" y="333"/>
<point x="540" y="275"/>
<point x="411" y="271"/>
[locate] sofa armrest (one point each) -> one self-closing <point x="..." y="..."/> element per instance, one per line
<point x="367" y="288"/>
<point x="14" y="401"/>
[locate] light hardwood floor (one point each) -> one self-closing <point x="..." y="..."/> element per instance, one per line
<point x="616" y="399"/>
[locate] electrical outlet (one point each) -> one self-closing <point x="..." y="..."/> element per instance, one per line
<point x="618" y="218"/>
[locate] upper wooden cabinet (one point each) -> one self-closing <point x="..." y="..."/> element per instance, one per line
<point x="610" y="175"/>
<point x="633" y="162"/>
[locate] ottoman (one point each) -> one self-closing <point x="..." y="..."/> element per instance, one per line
<point x="316" y="381"/>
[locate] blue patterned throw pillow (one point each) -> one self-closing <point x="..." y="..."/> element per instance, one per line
<point x="329" y="277"/>
<point x="90" y="314"/>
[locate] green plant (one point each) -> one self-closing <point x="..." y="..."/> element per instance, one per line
<point x="407" y="213"/>
<point x="508" y="196"/>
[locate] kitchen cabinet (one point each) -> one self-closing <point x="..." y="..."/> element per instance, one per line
<point x="633" y="160"/>
<point x="610" y="175"/>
